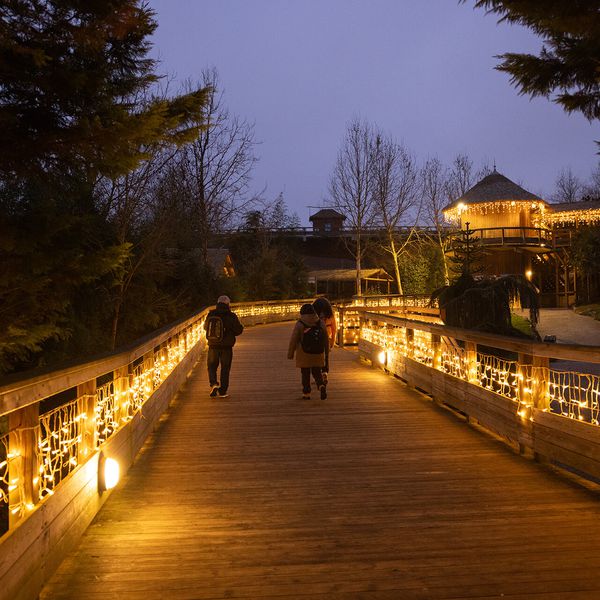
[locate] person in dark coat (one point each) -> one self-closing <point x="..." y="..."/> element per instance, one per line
<point x="325" y="312"/>
<point x="220" y="352"/>
<point x="309" y="363"/>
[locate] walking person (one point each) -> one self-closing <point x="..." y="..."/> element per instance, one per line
<point x="222" y="327"/>
<point x="310" y="346"/>
<point x="325" y="312"/>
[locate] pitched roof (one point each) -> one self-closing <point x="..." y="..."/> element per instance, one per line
<point x="349" y="274"/>
<point x="493" y="188"/>
<point x="327" y="213"/>
<point x="571" y="206"/>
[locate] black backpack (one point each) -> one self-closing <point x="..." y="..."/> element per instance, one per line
<point x="313" y="339"/>
<point x="215" y="329"/>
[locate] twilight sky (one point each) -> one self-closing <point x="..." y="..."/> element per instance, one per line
<point x="421" y="70"/>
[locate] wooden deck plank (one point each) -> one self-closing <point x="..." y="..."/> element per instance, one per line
<point x="373" y="493"/>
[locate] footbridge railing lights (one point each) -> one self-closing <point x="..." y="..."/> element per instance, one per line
<point x="543" y="397"/>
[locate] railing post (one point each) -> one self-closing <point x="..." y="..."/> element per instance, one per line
<point x="436" y="346"/>
<point x="410" y="343"/>
<point x="86" y="398"/>
<point x="23" y="473"/>
<point x="524" y="384"/>
<point x="471" y="358"/>
<point x="121" y="389"/>
<point x="341" y="328"/>
<point x="540" y="386"/>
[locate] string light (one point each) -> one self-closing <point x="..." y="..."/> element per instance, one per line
<point x="570" y="394"/>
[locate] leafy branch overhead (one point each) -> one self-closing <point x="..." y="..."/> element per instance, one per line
<point x="568" y="64"/>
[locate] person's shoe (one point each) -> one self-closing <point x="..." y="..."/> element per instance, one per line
<point x="305" y="396"/>
<point x="223" y="394"/>
<point x="323" y="392"/>
<point x="324" y="378"/>
<point x="214" y="390"/>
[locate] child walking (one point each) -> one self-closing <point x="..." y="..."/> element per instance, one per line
<point x="309" y="343"/>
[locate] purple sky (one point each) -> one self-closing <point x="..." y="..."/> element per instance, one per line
<point x="421" y="70"/>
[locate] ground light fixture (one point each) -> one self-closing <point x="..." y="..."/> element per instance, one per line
<point x="108" y="473"/>
<point x="382" y="357"/>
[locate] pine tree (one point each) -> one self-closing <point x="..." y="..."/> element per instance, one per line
<point x="567" y="64"/>
<point x="76" y="108"/>
<point x="467" y="254"/>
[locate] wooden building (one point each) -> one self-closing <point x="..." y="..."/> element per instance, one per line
<point x="340" y="284"/>
<point x="327" y="220"/>
<point x="523" y="234"/>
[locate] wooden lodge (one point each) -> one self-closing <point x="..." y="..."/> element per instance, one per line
<point x="523" y="234"/>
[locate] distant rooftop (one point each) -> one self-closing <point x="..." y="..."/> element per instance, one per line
<point x="569" y="206"/>
<point x="327" y="213"/>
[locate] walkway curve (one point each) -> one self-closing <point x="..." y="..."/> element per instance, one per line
<point x="375" y="493"/>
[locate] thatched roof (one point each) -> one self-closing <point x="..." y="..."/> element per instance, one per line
<point x="495" y="187"/>
<point x="327" y="213"/>
<point x="349" y="274"/>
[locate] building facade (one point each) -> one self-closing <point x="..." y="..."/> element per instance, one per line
<point x="523" y="234"/>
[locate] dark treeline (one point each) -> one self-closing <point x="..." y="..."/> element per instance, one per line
<point x="110" y="187"/>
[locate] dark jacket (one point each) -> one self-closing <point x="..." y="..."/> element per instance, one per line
<point x="231" y="325"/>
<point x="302" y="358"/>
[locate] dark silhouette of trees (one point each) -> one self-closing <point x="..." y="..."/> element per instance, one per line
<point x="567" y="65"/>
<point x="78" y="114"/>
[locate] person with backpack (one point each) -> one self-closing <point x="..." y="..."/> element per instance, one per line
<point x="324" y="311"/>
<point x="222" y="326"/>
<point x="310" y="345"/>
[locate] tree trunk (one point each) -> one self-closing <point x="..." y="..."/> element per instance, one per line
<point x="358" y="266"/>
<point x="118" y="303"/>
<point x="396" y="264"/>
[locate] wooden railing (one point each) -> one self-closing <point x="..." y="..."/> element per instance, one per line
<point x="348" y="314"/>
<point x="513" y="387"/>
<point x="58" y="428"/>
<point x="515" y="236"/>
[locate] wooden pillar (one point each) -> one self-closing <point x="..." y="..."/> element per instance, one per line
<point x="86" y="400"/>
<point x="524" y="385"/>
<point x="23" y="427"/>
<point x="148" y="373"/>
<point x="340" y="331"/>
<point x="121" y="385"/>
<point x="410" y="343"/>
<point x="540" y="386"/>
<point x="436" y="346"/>
<point x="471" y="358"/>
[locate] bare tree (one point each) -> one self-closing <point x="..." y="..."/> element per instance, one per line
<point x="351" y="187"/>
<point x="460" y="177"/>
<point x="434" y="187"/>
<point x="216" y="168"/>
<point x="395" y="195"/>
<point x="592" y="189"/>
<point x="568" y="187"/>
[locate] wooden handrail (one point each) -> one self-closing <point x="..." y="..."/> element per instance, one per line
<point x="576" y="352"/>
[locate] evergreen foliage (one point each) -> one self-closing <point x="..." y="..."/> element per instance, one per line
<point x="467" y="253"/>
<point x="73" y="72"/>
<point x="77" y="111"/>
<point x="567" y="64"/>
<point x="484" y="304"/>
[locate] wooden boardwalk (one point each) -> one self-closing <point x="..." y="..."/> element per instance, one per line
<point x="375" y="493"/>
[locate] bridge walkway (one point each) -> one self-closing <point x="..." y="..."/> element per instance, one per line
<point x="374" y="493"/>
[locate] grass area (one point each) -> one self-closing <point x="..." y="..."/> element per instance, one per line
<point x="589" y="310"/>
<point x="522" y="324"/>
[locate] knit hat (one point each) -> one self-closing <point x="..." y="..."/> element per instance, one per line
<point x="223" y="300"/>
<point x="307" y="309"/>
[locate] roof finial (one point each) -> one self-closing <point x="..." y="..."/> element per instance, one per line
<point x="495" y="166"/>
